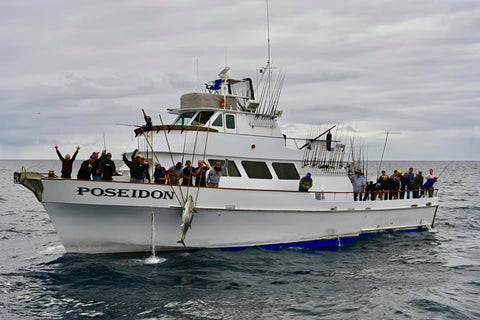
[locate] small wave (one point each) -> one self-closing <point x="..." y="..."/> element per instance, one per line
<point x="461" y="265"/>
<point x="438" y="308"/>
<point x="92" y="314"/>
<point x="195" y="308"/>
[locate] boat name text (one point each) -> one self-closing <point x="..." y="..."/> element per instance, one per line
<point x="125" y="193"/>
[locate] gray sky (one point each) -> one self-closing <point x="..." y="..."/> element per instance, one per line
<point x="72" y="70"/>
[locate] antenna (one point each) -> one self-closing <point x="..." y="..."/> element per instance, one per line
<point x="225" y="56"/>
<point x="268" y="35"/>
<point x="104" y="143"/>
<point x="198" y="75"/>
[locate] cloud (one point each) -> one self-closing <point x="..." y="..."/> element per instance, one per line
<point x="73" y="70"/>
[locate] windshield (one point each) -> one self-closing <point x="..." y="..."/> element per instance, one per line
<point x="184" y="118"/>
<point x="202" y="118"/>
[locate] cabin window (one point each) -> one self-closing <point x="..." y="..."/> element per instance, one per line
<point x="218" y="122"/>
<point x="285" y="171"/>
<point x="184" y="118"/>
<point x="232" y="170"/>
<point x="202" y="118"/>
<point x="256" y="170"/>
<point x="230" y="121"/>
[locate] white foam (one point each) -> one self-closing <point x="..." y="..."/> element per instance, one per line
<point x="53" y="250"/>
<point x="154" y="260"/>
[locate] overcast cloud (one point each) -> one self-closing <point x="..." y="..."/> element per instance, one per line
<point x="72" y="70"/>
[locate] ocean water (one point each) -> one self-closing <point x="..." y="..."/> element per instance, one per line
<point x="416" y="275"/>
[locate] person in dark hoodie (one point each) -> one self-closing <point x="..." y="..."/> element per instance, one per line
<point x="107" y="167"/>
<point x="136" y="166"/>
<point x="67" y="162"/>
<point x="86" y="169"/>
<point x="370" y="191"/>
<point x="405" y="186"/>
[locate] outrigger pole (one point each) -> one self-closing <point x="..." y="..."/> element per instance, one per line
<point x="155" y="154"/>
<point x="173" y="162"/>
<point x="318" y="137"/>
<point x="193" y="157"/>
<point x="204" y="153"/>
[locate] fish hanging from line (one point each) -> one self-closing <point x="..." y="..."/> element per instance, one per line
<point x="187" y="217"/>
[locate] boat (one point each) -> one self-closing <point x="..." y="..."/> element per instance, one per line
<point x="257" y="201"/>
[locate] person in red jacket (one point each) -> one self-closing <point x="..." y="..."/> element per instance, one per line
<point x="67" y="162"/>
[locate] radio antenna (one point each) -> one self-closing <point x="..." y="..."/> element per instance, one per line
<point x="268" y="35"/>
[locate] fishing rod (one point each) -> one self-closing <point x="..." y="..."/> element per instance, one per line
<point x="318" y="137"/>
<point x="383" y="152"/>
<point x="128" y="125"/>
<point x="444" y="169"/>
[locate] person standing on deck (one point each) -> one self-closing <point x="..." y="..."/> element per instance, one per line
<point x="148" y="121"/>
<point x="188" y="174"/>
<point x="96" y="174"/>
<point x="174" y="174"/>
<point x="201" y="173"/>
<point x="107" y="168"/>
<point x="214" y="175"/>
<point x="430" y="175"/>
<point x="371" y="191"/>
<point x="358" y="183"/>
<point x="430" y="179"/>
<point x="405" y="186"/>
<point x="417" y="184"/>
<point x="145" y="170"/>
<point x="411" y="176"/>
<point x="86" y="169"/>
<point x="160" y="174"/>
<point x="67" y="162"/>
<point x="136" y="172"/>
<point x="305" y="183"/>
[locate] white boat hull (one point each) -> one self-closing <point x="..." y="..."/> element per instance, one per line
<point x="103" y="217"/>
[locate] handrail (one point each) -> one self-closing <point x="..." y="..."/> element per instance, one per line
<point x="169" y="127"/>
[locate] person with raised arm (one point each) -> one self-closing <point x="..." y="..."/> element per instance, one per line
<point x="136" y="171"/>
<point x="214" y="175"/>
<point x="67" y="162"/>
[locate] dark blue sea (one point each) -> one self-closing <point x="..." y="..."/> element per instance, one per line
<point x="417" y="275"/>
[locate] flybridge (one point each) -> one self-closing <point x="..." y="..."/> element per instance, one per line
<point x="238" y="95"/>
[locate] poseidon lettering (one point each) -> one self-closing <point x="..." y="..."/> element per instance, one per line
<point x="125" y="193"/>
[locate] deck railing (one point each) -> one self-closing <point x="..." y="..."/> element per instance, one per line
<point x="377" y="195"/>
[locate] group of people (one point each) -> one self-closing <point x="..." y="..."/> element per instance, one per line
<point x="202" y="175"/>
<point x="396" y="186"/>
<point x="101" y="167"/>
<point x="97" y="167"/>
